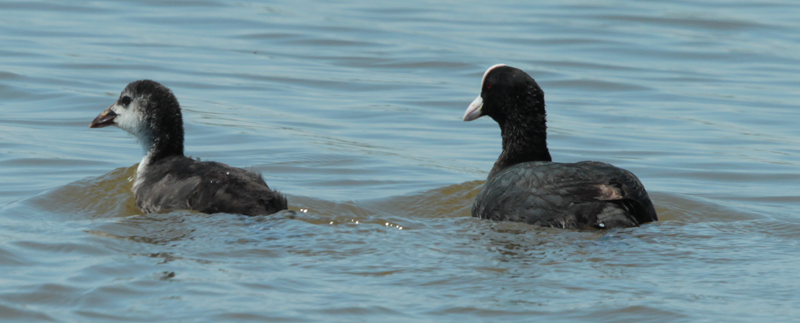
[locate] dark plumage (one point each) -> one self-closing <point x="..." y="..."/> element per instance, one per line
<point x="165" y="178"/>
<point x="526" y="186"/>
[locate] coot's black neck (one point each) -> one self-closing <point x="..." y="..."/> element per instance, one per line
<point x="166" y="132"/>
<point x="524" y="135"/>
<point x="164" y="147"/>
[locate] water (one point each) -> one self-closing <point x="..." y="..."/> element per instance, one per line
<point x="353" y="109"/>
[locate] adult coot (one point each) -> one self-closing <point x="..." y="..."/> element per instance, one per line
<point x="526" y="186"/>
<point x="165" y="178"/>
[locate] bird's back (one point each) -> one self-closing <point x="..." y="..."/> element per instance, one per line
<point x="584" y="194"/>
<point x="180" y="182"/>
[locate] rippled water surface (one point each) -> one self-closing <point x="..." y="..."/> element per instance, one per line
<point x="353" y="109"/>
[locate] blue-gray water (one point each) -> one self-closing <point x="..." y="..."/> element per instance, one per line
<point x="353" y="109"/>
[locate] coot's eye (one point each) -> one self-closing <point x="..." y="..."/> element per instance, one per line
<point x="488" y="86"/>
<point x="125" y="100"/>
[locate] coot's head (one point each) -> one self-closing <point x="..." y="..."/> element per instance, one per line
<point x="150" y="112"/>
<point x="507" y="93"/>
<point x="513" y="99"/>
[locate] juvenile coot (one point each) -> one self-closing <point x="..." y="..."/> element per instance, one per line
<point x="165" y="178"/>
<point x="526" y="186"/>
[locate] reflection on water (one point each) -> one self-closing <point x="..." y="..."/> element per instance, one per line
<point x="353" y="111"/>
<point x="103" y="196"/>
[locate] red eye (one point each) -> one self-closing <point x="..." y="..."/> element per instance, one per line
<point x="488" y="86"/>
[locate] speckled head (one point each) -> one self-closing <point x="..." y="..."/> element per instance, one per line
<point x="151" y="113"/>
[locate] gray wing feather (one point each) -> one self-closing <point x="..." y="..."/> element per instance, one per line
<point x="565" y="195"/>
<point x="210" y="187"/>
<point x="167" y="193"/>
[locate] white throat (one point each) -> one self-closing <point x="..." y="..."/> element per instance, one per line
<point x="132" y="120"/>
<point x="141" y="169"/>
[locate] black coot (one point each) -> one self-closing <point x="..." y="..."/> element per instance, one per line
<point x="526" y="186"/>
<point x="166" y="179"/>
